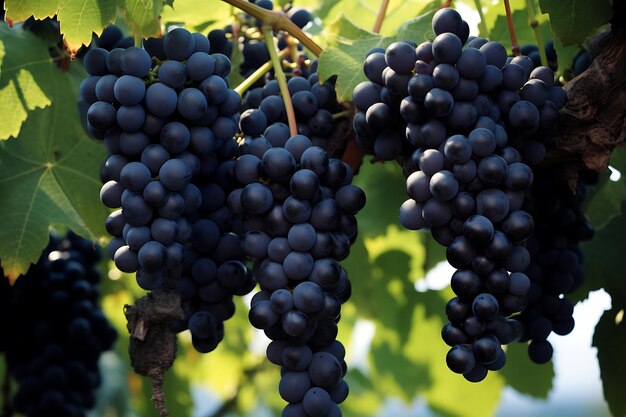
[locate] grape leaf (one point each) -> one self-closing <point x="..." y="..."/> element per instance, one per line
<point x="605" y="203"/>
<point x="363" y="12"/>
<point x="524" y="375"/>
<point x="142" y="16"/>
<point x="610" y="339"/>
<point x="603" y="258"/>
<point x="50" y="175"/>
<point x="199" y="15"/>
<point x="385" y="186"/>
<point x="524" y="33"/>
<point x="564" y="56"/>
<point x="345" y="56"/>
<point x="342" y="28"/>
<point x="24" y="72"/>
<point x="491" y="12"/>
<point x="573" y="20"/>
<point x="603" y="261"/>
<point x="77" y="18"/>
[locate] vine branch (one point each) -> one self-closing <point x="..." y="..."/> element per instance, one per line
<point x="381" y="16"/>
<point x="256" y="75"/>
<point x="509" y="21"/>
<point x="280" y="77"/>
<point x="277" y="22"/>
<point x="593" y="122"/>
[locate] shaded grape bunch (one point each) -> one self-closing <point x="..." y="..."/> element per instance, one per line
<point x="168" y="118"/>
<point x="467" y="123"/>
<point x="57" y="331"/>
<point x="297" y="219"/>
<point x="556" y="263"/>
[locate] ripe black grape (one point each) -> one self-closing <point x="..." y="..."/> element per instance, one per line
<point x="57" y="330"/>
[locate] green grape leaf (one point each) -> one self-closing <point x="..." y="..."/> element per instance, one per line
<point x="524" y="33"/>
<point x="603" y="257"/>
<point x="346" y="61"/>
<point x="199" y="15"/>
<point x="493" y="10"/>
<point x="610" y="339"/>
<point x="25" y="68"/>
<point x="363" y="12"/>
<point x="573" y="20"/>
<point x="343" y="29"/>
<point x="565" y="56"/>
<point x="605" y="203"/>
<point x="418" y="29"/>
<point x="423" y="356"/>
<point x="77" y="18"/>
<point x="435" y="253"/>
<point x="143" y="17"/>
<point x="349" y="43"/>
<point x="51" y="173"/>
<point x="386" y="191"/>
<point x="524" y="375"/>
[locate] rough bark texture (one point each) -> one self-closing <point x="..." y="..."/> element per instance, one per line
<point x="152" y="343"/>
<point x="593" y="122"/>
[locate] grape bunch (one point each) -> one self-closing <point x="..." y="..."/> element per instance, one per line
<point x="297" y="207"/>
<point x="57" y="331"/>
<point x="556" y="259"/>
<point x="168" y="119"/>
<point x="466" y="123"/>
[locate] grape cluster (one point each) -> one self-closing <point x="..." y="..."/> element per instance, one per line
<point x="310" y="228"/>
<point x="57" y="331"/>
<point x="466" y="122"/>
<point x="297" y="207"/>
<point x="169" y="123"/>
<point x="556" y="259"/>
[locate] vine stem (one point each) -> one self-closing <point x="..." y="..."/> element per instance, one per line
<point x="277" y="22"/>
<point x="532" y="21"/>
<point x="382" y="11"/>
<point x="481" y="24"/>
<point x="509" y="21"/>
<point x="280" y="77"/>
<point x="256" y="75"/>
<point x="342" y="114"/>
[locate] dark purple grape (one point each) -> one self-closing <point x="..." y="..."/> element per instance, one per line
<point x="460" y="359"/>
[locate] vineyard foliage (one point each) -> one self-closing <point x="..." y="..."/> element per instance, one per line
<point x="49" y="177"/>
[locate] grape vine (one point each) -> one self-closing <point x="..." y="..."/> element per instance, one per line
<point x="237" y="161"/>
